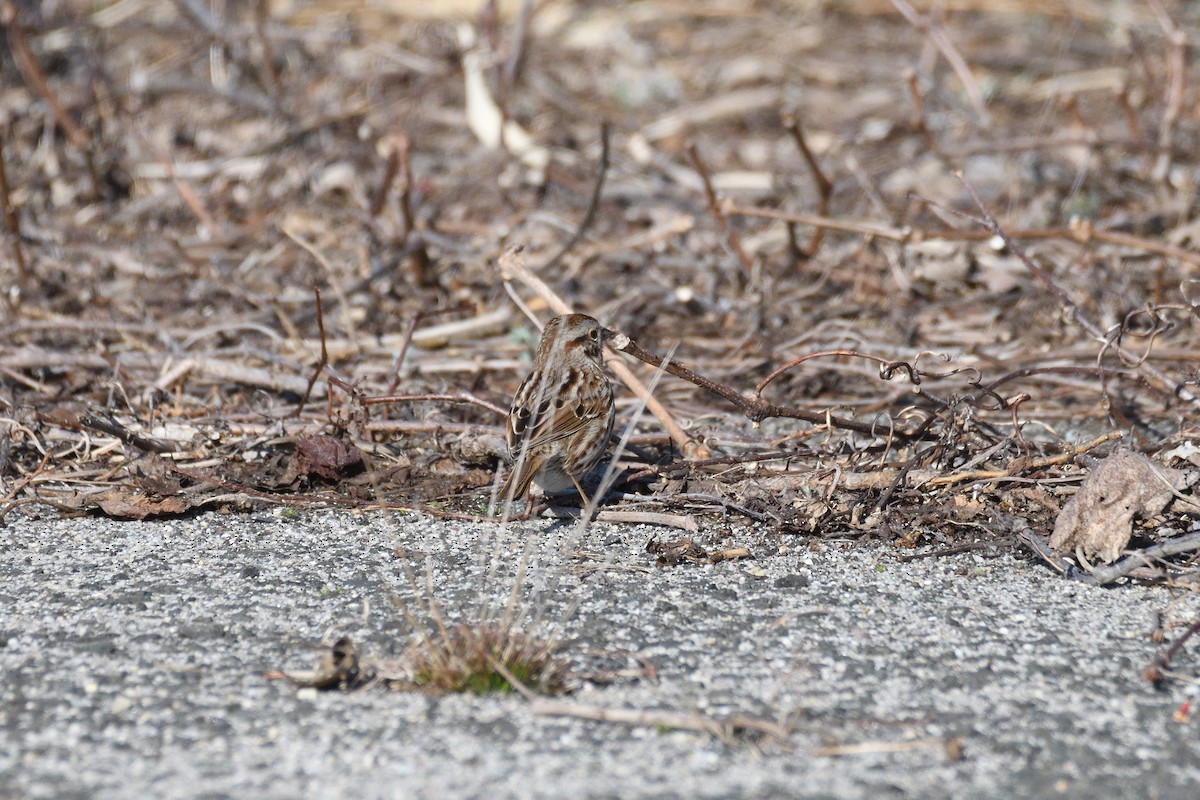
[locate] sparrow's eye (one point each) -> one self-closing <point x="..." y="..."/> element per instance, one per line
<point x="594" y="334"/>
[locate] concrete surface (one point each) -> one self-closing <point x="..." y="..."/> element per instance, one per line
<point x="133" y="659"/>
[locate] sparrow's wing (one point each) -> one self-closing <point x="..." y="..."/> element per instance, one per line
<point x="544" y="414"/>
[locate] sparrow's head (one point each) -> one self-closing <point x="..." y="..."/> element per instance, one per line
<point x="573" y="332"/>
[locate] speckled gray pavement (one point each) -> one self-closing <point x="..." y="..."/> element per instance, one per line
<point x="134" y="655"/>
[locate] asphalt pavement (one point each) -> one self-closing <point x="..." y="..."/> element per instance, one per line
<point x="136" y="656"/>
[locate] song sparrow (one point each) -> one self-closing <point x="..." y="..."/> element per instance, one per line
<point x="562" y="414"/>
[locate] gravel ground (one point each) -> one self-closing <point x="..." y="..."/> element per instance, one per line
<point x="134" y="657"/>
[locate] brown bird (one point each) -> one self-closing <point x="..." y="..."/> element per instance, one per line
<point x="562" y="414"/>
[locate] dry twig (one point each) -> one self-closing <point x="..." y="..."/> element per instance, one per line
<point x="723" y="728"/>
<point x="1162" y="662"/>
<point x="754" y="407"/>
<point x="1081" y="232"/>
<point x="465" y="398"/>
<point x="824" y="186"/>
<point x="730" y="235"/>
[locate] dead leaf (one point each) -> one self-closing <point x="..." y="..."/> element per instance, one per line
<point x="326" y="456"/>
<point x="125" y="504"/>
<point x="154" y="475"/>
<point x="1098" y="520"/>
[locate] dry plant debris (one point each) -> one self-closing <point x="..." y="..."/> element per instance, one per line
<point x="462" y="658"/>
<point x="675" y="552"/>
<point x="480" y="659"/>
<point x="907" y="266"/>
<point x="339" y="668"/>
